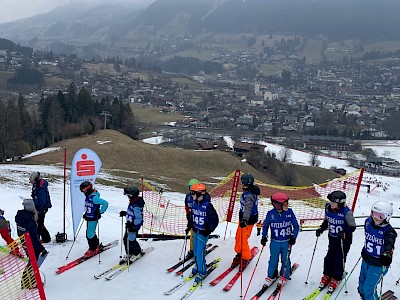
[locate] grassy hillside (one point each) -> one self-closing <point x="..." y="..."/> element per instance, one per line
<point x="165" y="167"/>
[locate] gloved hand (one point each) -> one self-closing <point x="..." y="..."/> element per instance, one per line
<point x="206" y="233"/>
<point x="386" y="258"/>
<point x="122" y="213"/>
<point x="44" y="252"/>
<point x="129" y="225"/>
<point x="342" y="235"/>
<point x="187" y="230"/>
<point x="45" y="210"/>
<point x="84" y="217"/>
<point x="264" y="240"/>
<point x="292" y="240"/>
<point x="318" y="232"/>
<point x="243" y="224"/>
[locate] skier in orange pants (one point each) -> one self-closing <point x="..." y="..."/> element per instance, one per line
<point x="248" y="216"/>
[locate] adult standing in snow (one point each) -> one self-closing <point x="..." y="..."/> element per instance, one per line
<point x="188" y="207"/>
<point x="134" y="220"/>
<point x="94" y="208"/>
<point x="377" y="253"/>
<point x="203" y="222"/>
<point x="26" y="220"/>
<point x="41" y="198"/>
<point x="284" y="230"/>
<point x="340" y="221"/>
<point x="248" y="216"/>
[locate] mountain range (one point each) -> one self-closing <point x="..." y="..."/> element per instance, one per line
<point x="123" y="24"/>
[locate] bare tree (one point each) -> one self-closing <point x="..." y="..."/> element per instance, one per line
<point x="288" y="174"/>
<point x="314" y="161"/>
<point x="285" y="154"/>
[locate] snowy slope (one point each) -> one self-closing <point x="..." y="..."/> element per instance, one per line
<point x="148" y="279"/>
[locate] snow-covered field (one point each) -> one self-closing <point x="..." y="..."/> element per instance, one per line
<point x="148" y="279"/>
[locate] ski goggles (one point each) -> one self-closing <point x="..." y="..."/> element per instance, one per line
<point x="378" y="216"/>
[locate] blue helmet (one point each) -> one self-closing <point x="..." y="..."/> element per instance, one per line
<point x="247" y="179"/>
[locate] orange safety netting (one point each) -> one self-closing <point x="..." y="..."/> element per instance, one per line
<point x="308" y="202"/>
<point x="18" y="273"/>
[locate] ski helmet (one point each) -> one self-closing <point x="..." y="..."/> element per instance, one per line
<point x="247" y="179"/>
<point x="192" y="182"/>
<point x="384" y="208"/>
<point x="337" y="197"/>
<point x="131" y="192"/>
<point x="198" y="187"/>
<point x="86" y="187"/>
<point x="278" y="200"/>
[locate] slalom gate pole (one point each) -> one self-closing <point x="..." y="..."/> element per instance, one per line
<point x="122" y="235"/>
<point x="312" y="259"/>
<point x="285" y="269"/>
<point x="347" y="278"/>
<point x="344" y="265"/>
<point x="73" y="243"/>
<point x="252" y="274"/>
<point x="184" y="252"/>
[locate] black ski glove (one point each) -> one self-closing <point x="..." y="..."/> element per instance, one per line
<point x="318" y="232"/>
<point x="243" y="224"/>
<point x="292" y="240"/>
<point x="341" y="235"/>
<point x="386" y="258"/>
<point x="264" y="240"/>
<point x="187" y="230"/>
<point x="122" y="213"/>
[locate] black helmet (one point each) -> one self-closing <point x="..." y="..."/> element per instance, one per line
<point x="247" y="179"/>
<point x="131" y="192"/>
<point x="337" y="197"/>
<point x="86" y="187"/>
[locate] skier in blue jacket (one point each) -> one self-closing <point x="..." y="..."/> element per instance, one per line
<point x="284" y="231"/>
<point x="41" y="197"/>
<point x="94" y="208"/>
<point x="340" y="222"/>
<point x="204" y="220"/>
<point x="188" y="207"/>
<point x="134" y="220"/>
<point x="377" y="253"/>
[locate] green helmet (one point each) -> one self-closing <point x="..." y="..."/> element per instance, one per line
<point x="192" y="182"/>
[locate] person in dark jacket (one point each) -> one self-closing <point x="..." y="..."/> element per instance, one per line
<point x="340" y="222"/>
<point x="5" y="234"/>
<point x="26" y="221"/>
<point x="41" y="198"/>
<point x="134" y="220"/>
<point x="204" y="220"/>
<point x="248" y="216"/>
<point x="377" y="253"/>
<point x="94" y="208"/>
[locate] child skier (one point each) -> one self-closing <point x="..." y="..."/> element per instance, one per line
<point x="134" y="220"/>
<point x="94" y="208"/>
<point x="377" y="253"/>
<point x="341" y="223"/>
<point x="204" y="221"/>
<point x="248" y="216"/>
<point x="284" y="231"/>
<point x="188" y="206"/>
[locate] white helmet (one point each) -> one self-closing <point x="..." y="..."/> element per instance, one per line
<point x="383" y="207"/>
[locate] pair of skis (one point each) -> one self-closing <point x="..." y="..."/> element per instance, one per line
<point x="83" y="258"/>
<point x="191" y="263"/>
<point x="278" y="288"/>
<point x="228" y="287"/>
<point x="189" y="278"/>
<point x="117" y="269"/>
<point x="388" y="295"/>
<point x="181" y="262"/>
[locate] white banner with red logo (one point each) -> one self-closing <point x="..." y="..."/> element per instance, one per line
<point x="85" y="167"/>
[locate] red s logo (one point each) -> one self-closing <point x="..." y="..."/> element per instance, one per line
<point x="85" y="167"/>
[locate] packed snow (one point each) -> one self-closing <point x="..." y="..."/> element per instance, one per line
<point x="148" y="278"/>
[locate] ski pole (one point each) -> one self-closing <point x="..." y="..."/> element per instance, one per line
<point x="184" y="251"/>
<point x="252" y="274"/>
<point x="312" y="259"/>
<point x="347" y="278"/>
<point x="73" y="243"/>
<point x="383" y="272"/>
<point x="98" y="229"/>
<point x="344" y="264"/>
<point x="241" y="260"/>
<point x="122" y="234"/>
<point x="127" y="246"/>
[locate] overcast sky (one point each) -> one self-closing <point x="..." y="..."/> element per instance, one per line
<point x="17" y="9"/>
